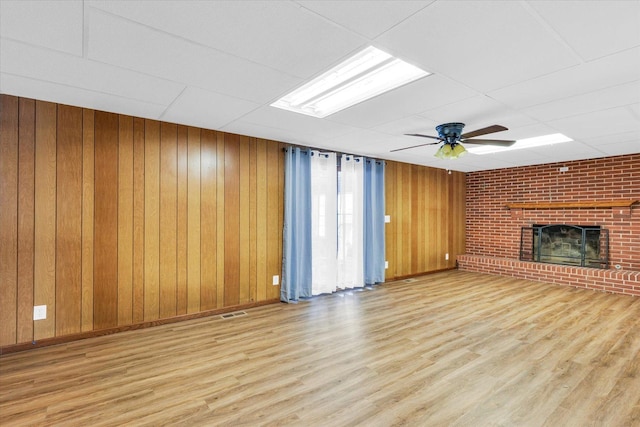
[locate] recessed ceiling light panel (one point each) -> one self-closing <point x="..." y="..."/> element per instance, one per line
<point x="365" y="75"/>
<point x="537" y="141"/>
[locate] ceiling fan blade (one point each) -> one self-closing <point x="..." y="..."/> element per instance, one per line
<point x="498" y="142"/>
<point x="415" y="146"/>
<point x="424" y="136"/>
<point x="484" y="131"/>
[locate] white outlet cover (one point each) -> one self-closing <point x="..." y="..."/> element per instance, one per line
<point x="39" y="312"/>
<point x="276" y="280"/>
<point x="387" y="218"/>
<point x="386" y="264"/>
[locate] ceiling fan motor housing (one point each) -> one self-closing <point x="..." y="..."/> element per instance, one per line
<point x="450" y="133"/>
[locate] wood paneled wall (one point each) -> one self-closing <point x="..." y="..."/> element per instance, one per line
<point x="111" y="220"/>
<point x="427" y="210"/>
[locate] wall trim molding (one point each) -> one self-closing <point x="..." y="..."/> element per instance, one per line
<point x="46" y="342"/>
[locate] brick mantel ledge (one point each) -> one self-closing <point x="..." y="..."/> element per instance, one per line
<point x="624" y="282"/>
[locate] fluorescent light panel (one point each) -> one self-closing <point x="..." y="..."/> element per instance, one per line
<point x="537" y="141"/>
<point x="365" y="75"/>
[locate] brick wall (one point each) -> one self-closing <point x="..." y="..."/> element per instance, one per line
<point x="493" y="230"/>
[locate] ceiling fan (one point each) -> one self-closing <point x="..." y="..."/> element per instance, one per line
<point x="450" y="135"/>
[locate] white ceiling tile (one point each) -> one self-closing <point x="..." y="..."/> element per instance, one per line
<point x="616" y="138"/>
<point x="485" y="44"/>
<point x="63" y="94"/>
<point x="620" y="148"/>
<point x="278" y="34"/>
<point x="202" y="108"/>
<point x="613" y="70"/>
<point x="369" y="21"/>
<point x="53" y="24"/>
<point x="598" y="123"/>
<point x="260" y="131"/>
<point x="424" y="94"/>
<point x="594" y="28"/>
<point x="564" y="151"/>
<point x="515" y="157"/>
<point x="56" y="67"/>
<point x="471" y="163"/>
<point x="365" y="142"/>
<point x="621" y="95"/>
<point x="410" y="124"/>
<point x="119" y="42"/>
<point x="478" y="112"/>
<point x="281" y="119"/>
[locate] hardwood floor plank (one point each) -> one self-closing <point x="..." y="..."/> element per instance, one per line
<point x="453" y="348"/>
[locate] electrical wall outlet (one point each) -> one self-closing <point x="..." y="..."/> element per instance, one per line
<point x="276" y="280"/>
<point x="446" y="256"/>
<point x="386" y="265"/>
<point x="387" y="218"/>
<point x="39" y="312"/>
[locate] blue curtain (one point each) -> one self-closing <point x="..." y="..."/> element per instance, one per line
<point x="373" y="221"/>
<point x="296" y="249"/>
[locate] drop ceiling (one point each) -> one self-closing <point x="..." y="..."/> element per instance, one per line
<point x="536" y="67"/>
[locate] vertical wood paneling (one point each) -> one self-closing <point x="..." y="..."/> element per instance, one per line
<point x="274" y="259"/>
<point x="105" y="262"/>
<point x="390" y="227"/>
<point x="407" y="208"/>
<point x="431" y="210"/>
<point x="138" y="262"/>
<point x="88" y="182"/>
<point x="399" y="219"/>
<point x="26" y="188"/>
<point x="182" y="215"/>
<point x="443" y="229"/>
<point x="208" y="221"/>
<point x="253" y="221"/>
<point x="231" y="221"/>
<point x="151" y="220"/>
<point x="168" y="218"/>
<point x="193" y="220"/>
<point x="426" y="206"/>
<point x="280" y="212"/>
<point x="125" y="221"/>
<point x="243" y="217"/>
<point x="69" y="221"/>
<point x="416" y="216"/>
<point x="220" y="231"/>
<point x="261" y="229"/>
<point x="8" y="219"/>
<point x="44" y="289"/>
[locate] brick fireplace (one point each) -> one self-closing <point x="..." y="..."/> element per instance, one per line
<point x="599" y="192"/>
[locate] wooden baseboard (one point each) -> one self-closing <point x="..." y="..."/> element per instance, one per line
<point x="409" y="276"/>
<point x="14" y="348"/>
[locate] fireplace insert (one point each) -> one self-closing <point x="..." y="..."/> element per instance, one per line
<point x="584" y="246"/>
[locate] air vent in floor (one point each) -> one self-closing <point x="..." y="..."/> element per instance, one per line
<point x="234" y="314"/>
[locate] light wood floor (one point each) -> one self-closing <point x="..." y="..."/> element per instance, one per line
<point x="452" y="348"/>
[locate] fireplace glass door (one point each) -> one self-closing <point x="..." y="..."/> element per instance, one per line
<point x="584" y="246"/>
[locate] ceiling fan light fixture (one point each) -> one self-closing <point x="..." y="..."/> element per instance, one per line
<point x="450" y="151"/>
<point x="368" y="73"/>
<point x="458" y="151"/>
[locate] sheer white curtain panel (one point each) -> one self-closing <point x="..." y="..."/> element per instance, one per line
<point x="350" y="222"/>
<point x="324" y="200"/>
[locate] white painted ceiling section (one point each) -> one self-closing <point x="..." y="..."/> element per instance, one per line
<point x="536" y="67"/>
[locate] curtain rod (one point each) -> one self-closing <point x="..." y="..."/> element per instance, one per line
<point x="337" y="152"/>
